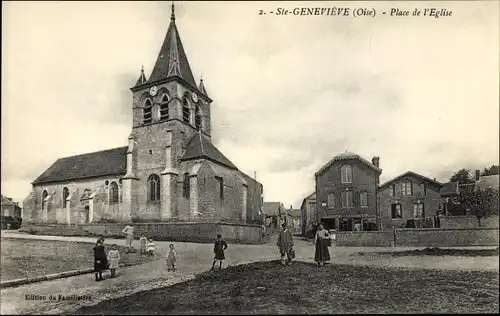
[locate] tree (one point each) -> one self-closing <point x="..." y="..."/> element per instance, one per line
<point x="482" y="203"/>
<point x="494" y="169"/>
<point x="463" y="176"/>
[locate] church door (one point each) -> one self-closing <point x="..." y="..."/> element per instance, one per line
<point x="84" y="215"/>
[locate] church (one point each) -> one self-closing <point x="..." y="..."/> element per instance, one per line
<point x="169" y="172"/>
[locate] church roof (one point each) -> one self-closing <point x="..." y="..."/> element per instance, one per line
<point x="172" y="60"/>
<point x="202" y="88"/>
<point x="142" y="78"/>
<point x="101" y="163"/>
<point x="200" y="147"/>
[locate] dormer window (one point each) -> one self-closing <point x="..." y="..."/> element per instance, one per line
<point x="148" y="106"/>
<point x="186" y="112"/>
<point x="198" y="117"/>
<point x="164" y="108"/>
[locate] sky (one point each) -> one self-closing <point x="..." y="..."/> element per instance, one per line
<point x="290" y="92"/>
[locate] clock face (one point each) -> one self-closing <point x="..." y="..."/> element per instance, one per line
<point x="153" y="90"/>
<point x="195" y="97"/>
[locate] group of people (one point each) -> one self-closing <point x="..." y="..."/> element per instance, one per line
<point x="103" y="261"/>
<point x="322" y="241"/>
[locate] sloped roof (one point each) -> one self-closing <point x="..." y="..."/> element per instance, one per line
<point x="449" y="188"/>
<point x="6" y="201"/>
<point x="172" y="60"/>
<point x="202" y="88"/>
<point x="346" y="156"/>
<point x="273" y="208"/>
<point x="486" y="182"/>
<point x="199" y="147"/>
<point x="411" y="173"/>
<point x="142" y="78"/>
<point x="295" y="212"/>
<point x="100" y="163"/>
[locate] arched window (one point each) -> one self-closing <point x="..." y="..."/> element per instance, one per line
<point x="114" y="195"/>
<point x="44" y="196"/>
<point x="65" y="194"/>
<point x="197" y="117"/>
<point x="164" y="107"/>
<point x="154" y="188"/>
<point x="407" y="187"/>
<point x="185" y="188"/>
<point x="148" y="106"/>
<point x="346" y="174"/>
<point x="186" y="112"/>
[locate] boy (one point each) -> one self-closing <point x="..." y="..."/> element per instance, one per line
<point x="219" y="248"/>
<point x="171" y="258"/>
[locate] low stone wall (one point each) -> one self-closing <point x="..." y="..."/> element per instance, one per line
<point x="447" y="222"/>
<point x="365" y="239"/>
<point x="185" y="231"/>
<point x="438" y="237"/>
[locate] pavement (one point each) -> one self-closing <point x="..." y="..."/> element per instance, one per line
<point x="193" y="259"/>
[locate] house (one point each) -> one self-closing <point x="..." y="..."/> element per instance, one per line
<point x="309" y="215"/>
<point x="346" y="192"/>
<point x="409" y="200"/>
<point x="276" y="215"/>
<point x="296" y="219"/>
<point x="171" y="169"/>
<point x="488" y="182"/>
<point x="10" y="208"/>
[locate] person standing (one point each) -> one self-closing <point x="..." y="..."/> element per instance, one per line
<point x="129" y="233"/>
<point x="285" y="244"/>
<point x="219" y="247"/>
<point x="321" y="240"/>
<point x="100" y="260"/>
<point x="114" y="259"/>
<point x="142" y="245"/>
<point x="171" y="258"/>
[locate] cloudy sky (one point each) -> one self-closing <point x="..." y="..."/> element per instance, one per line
<point x="290" y="92"/>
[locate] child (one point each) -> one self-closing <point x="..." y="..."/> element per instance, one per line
<point x="171" y="258"/>
<point x="219" y="247"/>
<point x="114" y="259"/>
<point x="100" y="260"/>
<point x="142" y="248"/>
<point x="151" y="248"/>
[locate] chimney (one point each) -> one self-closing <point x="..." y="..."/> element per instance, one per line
<point x="291" y="208"/>
<point x="376" y="161"/>
<point x="478" y="175"/>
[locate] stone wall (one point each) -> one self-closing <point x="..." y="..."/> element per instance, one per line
<point x="185" y="232"/>
<point x="365" y="239"/>
<point x="468" y="222"/>
<point x="446" y="237"/>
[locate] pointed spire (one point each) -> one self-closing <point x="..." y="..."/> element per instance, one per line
<point x="172" y="60"/>
<point x="142" y="78"/>
<point x="201" y="87"/>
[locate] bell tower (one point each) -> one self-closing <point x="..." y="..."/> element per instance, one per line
<point x="168" y="108"/>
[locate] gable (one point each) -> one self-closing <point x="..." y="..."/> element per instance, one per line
<point x="101" y="163"/>
<point x="199" y="147"/>
<point x="414" y="177"/>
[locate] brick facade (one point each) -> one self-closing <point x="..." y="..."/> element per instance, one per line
<point x="330" y="192"/>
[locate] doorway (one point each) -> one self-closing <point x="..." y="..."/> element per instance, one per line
<point x="84" y="215"/>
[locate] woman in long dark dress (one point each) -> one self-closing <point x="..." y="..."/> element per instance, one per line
<point x="100" y="260"/>
<point x="321" y="240"/>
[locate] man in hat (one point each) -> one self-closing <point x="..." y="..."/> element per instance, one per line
<point x="285" y="244"/>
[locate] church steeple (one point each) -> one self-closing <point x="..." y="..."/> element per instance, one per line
<point x="201" y="87"/>
<point x="172" y="60"/>
<point x="142" y="78"/>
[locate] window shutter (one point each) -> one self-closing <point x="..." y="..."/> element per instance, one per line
<point x="356" y="201"/>
<point x="393" y="210"/>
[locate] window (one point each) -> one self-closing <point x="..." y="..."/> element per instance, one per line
<point x="164" y="107"/>
<point x="418" y="210"/>
<point x="44" y="196"/>
<point x="186" y="113"/>
<point x="185" y="188"/>
<point x="331" y="199"/>
<point x="197" y="117"/>
<point x="363" y="199"/>
<point x="65" y="194"/>
<point x="346" y="174"/>
<point x="147" y="112"/>
<point x="393" y="190"/>
<point x="407" y="187"/>
<point x="221" y="187"/>
<point x="396" y="211"/>
<point x="114" y="196"/>
<point x="154" y="188"/>
<point x="347" y="199"/>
